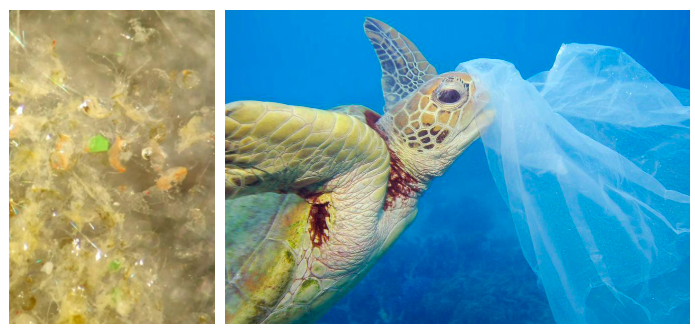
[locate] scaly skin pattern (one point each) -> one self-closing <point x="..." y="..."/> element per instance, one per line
<point x="338" y="165"/>
<point x="403" y="67"/>
<point x="317" y="197"/>
<point x="293" y="276"/>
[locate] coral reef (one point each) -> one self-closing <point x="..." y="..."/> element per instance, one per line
<point x="111" y="167"/>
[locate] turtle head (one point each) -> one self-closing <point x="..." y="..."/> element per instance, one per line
<point x="429" y="119"/>
<point x="433" y="125"/>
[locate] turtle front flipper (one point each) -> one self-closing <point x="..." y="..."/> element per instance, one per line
<point x="308" y="246"/>
<point x="403" y="67"/>
<point x="273" y="147"/>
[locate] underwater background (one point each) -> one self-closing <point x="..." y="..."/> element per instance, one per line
<point x="460" y="261"/>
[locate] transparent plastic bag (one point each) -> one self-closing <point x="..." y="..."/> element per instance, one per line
<point x="592" y="158"/>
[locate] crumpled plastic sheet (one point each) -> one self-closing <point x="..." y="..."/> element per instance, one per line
<point x="592" y="158"/>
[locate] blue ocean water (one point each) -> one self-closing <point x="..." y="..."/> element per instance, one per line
<point x="460" y="262"/>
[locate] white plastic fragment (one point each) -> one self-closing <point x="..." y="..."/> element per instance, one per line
<point x="47" y="268"/>
<point x="593" y="159"/>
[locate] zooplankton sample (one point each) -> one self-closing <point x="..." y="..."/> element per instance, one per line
<point x="111" y="167"/>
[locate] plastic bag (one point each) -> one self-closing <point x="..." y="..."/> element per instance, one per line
<point x="592" y="158"/>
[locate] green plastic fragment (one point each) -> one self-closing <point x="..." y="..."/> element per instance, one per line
<point x="98" y="143"/>
<point x="115" y="295"/>
<point x="115" y="265"/>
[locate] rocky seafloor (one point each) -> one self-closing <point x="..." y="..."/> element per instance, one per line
<point x="111" y="149"/>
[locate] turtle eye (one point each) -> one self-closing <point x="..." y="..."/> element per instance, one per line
<point x="449" y="96"/>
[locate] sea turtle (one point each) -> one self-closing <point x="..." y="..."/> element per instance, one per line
<point x="315" y="198"/>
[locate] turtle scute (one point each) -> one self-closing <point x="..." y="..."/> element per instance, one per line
<point x="264" y="281"/>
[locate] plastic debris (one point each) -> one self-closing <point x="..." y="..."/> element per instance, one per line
<point x="97" y="144"/>
<point x="114" y="265"/>
<point x="592" y="158"/>
<point x="87" y="241"/>
<point x="47" y="268"/>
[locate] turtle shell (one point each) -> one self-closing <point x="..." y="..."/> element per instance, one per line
<point x="265" y="237"/>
